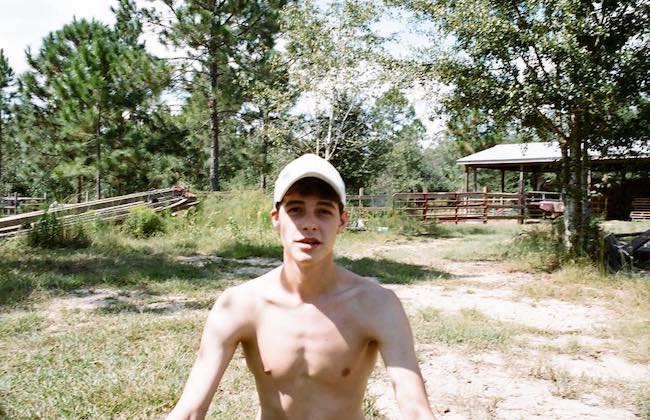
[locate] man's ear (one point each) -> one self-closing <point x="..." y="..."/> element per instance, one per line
<point x="275" y="219"/>
<point x="343" y="222"/>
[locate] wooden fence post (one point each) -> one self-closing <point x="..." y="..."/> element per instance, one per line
<point x="15" y="203"/>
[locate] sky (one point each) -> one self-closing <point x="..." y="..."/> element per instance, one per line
<point x="24" y="23"/>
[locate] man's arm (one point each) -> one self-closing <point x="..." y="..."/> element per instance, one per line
<point x="221" y="335"/>
<point x="396" y="347"/>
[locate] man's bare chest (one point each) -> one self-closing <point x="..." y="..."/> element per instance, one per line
<point x="313" y="343"/>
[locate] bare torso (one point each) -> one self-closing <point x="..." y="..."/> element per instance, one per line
<point x="311" y="360"/>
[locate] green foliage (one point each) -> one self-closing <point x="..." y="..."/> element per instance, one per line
<point x="228" y="42"/>
<point x="394" y="123"/>
<point x="49" y="232"/>
<point x="87" y="106"/>
<point x="571" y="71"/>
<point x="336" y="61"/>
<point x="6" y="98"/>
<point x="143" y="223"/>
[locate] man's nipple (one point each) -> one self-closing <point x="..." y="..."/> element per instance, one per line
<point x="345" y="372"/>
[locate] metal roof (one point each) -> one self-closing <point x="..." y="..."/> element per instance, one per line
<point x="544" y="156"/>
<point x="515" y="153"/>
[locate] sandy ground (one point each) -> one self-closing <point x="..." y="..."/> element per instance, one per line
<point x="526" y="380"/>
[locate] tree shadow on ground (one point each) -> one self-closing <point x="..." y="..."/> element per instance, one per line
<point x="391" y="272"/>
<point x="245" y="249"/>
<point x="65" y="270"/>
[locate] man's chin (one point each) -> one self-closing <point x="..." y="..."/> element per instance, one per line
<point x="308" y="258"/>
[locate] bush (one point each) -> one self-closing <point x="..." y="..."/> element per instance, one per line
<point x="143" y="223"/>
<point x="49" y="232"/>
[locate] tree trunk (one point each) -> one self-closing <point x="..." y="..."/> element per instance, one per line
<point x="214" y="127"/>
<point x="264" y="151"/>
<point x="98" y="156"/>
<point x="575" y="197"/>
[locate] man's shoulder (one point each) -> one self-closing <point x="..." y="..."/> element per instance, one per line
<point x="243" y="295"/>
<point x="369" y="290"/>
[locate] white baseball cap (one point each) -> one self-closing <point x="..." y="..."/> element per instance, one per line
<point x="309" y="165"/>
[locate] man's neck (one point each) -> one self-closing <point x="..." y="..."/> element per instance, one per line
<point x="308" y="281"/>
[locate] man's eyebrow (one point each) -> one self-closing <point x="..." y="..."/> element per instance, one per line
<point x="328" y="203"/>
<point x="294" y="202"/>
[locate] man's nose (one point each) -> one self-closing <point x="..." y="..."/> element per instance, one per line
<point x="309" y="222"/>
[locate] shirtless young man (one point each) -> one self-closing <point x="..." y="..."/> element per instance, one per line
<point x="310" y="330"/>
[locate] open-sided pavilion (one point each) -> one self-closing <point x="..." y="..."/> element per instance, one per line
<point x="545" y="157"/>
<point x="537" y="158"/>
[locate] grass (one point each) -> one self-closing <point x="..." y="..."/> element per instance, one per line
<point x="128" y="359"/>
<point x="643" y="403"/>
<point x="108" y="366"/>
<point x="478" y="242"/>
<point x="564" y="385"/>
<point x="629" y="297"/>
<point x="469" y="329"/>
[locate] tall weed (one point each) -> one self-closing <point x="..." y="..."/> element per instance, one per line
<point x="49" y="232"/>
<point x="540" y="247"/>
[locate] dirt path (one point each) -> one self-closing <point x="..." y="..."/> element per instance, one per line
<point x="562" y="363"/>
<point x="563" y="369"/>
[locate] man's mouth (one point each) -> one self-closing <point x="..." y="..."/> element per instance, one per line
<point x="309" y="241"/>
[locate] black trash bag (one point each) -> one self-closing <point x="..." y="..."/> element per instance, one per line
<point x="616" y="257"/>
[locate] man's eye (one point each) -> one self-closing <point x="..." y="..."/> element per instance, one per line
<point x="292" y="210"/>
<point x="326" y="212"/>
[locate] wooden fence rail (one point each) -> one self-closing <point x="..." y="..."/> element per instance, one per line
<point x="114" y="208"/>
<point x="14" y="204"/>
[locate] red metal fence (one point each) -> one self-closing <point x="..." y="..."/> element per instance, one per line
<point x="458" y="206"/>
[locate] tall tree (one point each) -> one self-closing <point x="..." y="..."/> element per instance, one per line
<point x="224" y="40"/>
<point x="575" y="71"/>
<point x="266" y="115"/>
<point x="395" y="123"/>
<point x="6" y="97"/>
<point x="359" y="153"/>
<point x="334" y="53"/>
<point x="90" y="88"/>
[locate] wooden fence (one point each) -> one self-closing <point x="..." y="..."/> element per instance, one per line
<point x="114" y="208"/>
<point x="14" y="204"/>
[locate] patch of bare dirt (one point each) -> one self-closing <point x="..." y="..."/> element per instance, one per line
<point x="567" y="371"/>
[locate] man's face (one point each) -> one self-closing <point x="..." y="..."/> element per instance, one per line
<point x="308" y="226"/>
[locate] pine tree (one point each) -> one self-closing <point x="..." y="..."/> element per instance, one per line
<point x="89" y="90"/>
<point x="6" y="97"/>
<point x="225" y="41"/>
